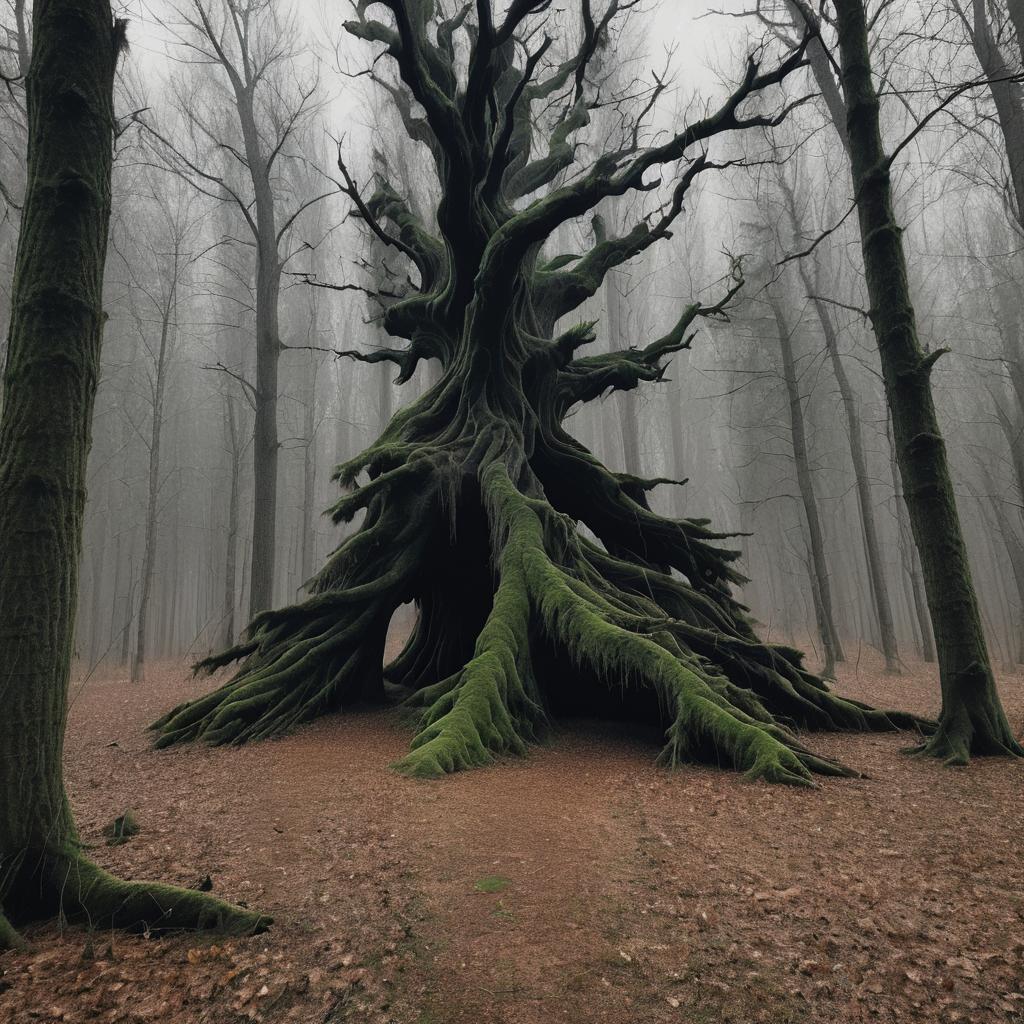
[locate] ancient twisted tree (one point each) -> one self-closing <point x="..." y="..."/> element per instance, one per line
<point x="51" y="377"/>
<point x="474" y="496"/>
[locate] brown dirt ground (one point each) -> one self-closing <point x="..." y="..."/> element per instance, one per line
<point x="625" y="893"/>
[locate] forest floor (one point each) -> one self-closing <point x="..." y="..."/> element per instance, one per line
<point x="580" y="884"/>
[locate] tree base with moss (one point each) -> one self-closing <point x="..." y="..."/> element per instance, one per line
<point x="65" y="885"/>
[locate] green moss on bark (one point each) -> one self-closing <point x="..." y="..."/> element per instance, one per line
<point x="51" y="375"/>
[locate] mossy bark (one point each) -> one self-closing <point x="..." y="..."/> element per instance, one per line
<point x="972" y="718"/>
<point x="50" y="381"/>
<point x="475" y="498"/>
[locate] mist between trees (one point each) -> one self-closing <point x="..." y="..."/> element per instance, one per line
<point x="223" y="406"/>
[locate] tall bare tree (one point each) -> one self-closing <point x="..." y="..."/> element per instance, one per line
<point x="972" y="718"/>
<point x="252" y="50"/>
<point x="155" y="257"/>
<point x="820" y="577"/>
<point x="811" y="279"/>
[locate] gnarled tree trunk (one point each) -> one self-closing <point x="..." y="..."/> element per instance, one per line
<point x="475" y="495"/>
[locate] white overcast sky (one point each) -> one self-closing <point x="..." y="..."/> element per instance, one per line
<point x="701" y="43"/>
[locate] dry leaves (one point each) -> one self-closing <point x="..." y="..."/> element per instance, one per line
<point x="639" y="895"/>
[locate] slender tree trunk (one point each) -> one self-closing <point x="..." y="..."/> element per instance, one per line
<point x="309" y="431"/>
<point x="342" y="428"/>
<point x="115" y="596"/>
<point x="1013" y="432"/>
<point x="629" y="423"/>
<point x="268" y="354"/>
<point x="1015" y="555"/>
<point x="913" y="621"/>
<point x="1008" y="299"/>
<point x="872" y="545"/>
<point x="972" y="718"/>
<point x="821" y="67"/>
<point x="245" y="574"/>
<point x="168" y="644"/>
<point x="97" y="590"/>
<point x="153" y="492"/>
<point x="821" y="587"/>
<point x="1012" y="423"/>
<point x="1015" y="442"/>
<point x="309" y="453"/>
<point x="908" y="556"/>
<point x="790" y="602"/>
<point x="227" y="632"/>
<point x="265" y="441"/>
<point x="201" y="602"/>
<point x="1002" y="632"/>
<point x="129" y="605"/>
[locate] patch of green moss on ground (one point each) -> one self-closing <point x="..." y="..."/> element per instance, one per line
<point x="492" y="883"/>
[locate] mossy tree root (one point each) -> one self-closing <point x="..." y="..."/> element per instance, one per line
<point x="621" y="646"/>
<point x="64" y="883"/>
<point x="977" y="727"/>
<point x="773" y="673"/>
<point x="493" y="705"/>
<point x="619" y="639"/>
<point x="10" y="937"/>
